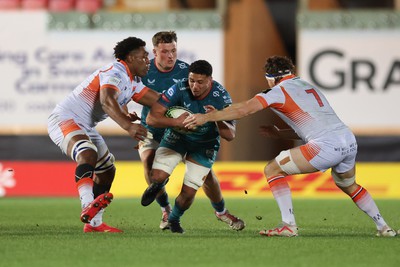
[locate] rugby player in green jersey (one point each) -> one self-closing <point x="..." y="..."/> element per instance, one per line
<point x="165" y="71"/>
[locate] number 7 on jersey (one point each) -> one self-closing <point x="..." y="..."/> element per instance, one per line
<point x="315" y="94"/>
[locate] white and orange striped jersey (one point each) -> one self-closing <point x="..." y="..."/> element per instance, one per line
<point x="329" y="143"/>
<point x="83" y="104"/>
<point x="303" y="107"/>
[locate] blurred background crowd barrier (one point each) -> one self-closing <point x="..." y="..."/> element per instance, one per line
<point x="348" y="48"/>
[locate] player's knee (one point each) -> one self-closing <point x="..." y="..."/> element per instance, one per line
<point x="272" y="169"/>
<point x="84" y="171"/>
<point x="343" y="182"/>
<point x="158" y="176"/>
<point x="284" y="163"/>
<point x="81" y="146"/>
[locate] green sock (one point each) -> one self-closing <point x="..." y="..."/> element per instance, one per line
<point x="220" y="206"/>
<point x="176" y="213"/>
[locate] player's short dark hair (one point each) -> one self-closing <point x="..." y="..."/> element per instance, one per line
<point x="201" y="67"/>
<point x="164" y="37"/>
<point x="124" y="47"/>
<point x="277" y="66"/>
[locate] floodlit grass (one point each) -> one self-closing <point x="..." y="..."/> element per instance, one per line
<point x="47" y="232"/>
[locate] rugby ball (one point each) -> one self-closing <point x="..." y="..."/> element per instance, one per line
<point x="175" y="112"/>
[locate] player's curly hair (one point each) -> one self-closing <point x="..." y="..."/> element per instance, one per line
<point x="201" y="67"/>
<point x="277" y="66"/>
<point x="164" y="37"/>
<point x="124" y="47"/>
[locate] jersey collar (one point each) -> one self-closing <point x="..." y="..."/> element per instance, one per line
<point x="127" y="69"/>
<point x="287" y="77"/>
<point x="160" y="70"/>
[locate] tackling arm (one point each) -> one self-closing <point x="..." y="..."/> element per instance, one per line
<point x="156" y="117"/>
<point x="149" y="98"/>
<point x="233" y="112"/>
<point x="108" y="100"/>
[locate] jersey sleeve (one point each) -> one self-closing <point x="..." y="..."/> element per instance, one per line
<point x="170" y="97"/>
<point x="227" y="100"/>
<point x="139" y="90"/>
<point x="222" y="96"/>
<point x="110" y="79"/>
<point x="271" y="98"/>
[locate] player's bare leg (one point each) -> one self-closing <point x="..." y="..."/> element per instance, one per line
<point x="93" y="189"/>
<point x="147" y="158"/>
<point x="280" y="189"/>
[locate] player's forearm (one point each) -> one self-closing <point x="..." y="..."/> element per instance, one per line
<point x="233" y="112"/>
<point x="160" y="121"/>
<point x="114" y="111"/>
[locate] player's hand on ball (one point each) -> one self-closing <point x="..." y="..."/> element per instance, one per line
<point x="194" y="120"/>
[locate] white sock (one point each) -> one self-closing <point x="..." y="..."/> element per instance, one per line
<point x="85" y="189"/>
<point x="222" y="212"/>
<point x="98" y="219"/>
<point x="364" y="202"/>
<point x="169" y="207"/>
<point x="283" y="196"/>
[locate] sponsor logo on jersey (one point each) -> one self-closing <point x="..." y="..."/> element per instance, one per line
<point x="151" y="82"/>
<point x="182" y="66"/>
<point x="124" y="101"/>
<point x="170" y="92"/>
<point x="186" y="105"/>
<point x="114" y="81"/>
<point x="221" y="88"/>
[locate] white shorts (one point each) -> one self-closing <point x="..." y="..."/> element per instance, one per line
<point x="338" y="153"/>
<point x="147" y="144"/>
<point x="167" y="159"/>
<point x="62" y="128"/>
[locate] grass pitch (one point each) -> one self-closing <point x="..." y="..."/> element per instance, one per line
<point x="47" y="232"/>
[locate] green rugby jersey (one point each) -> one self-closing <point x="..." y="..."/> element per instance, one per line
<point x="161" y="81"/>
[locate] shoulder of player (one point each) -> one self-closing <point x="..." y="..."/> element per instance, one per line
<point x="181" y="64"/>
<point x="116" y="73"/>
<point x="181" y="61"/>
<point x="216" y="86"/>
<point x="183" y="84"/>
